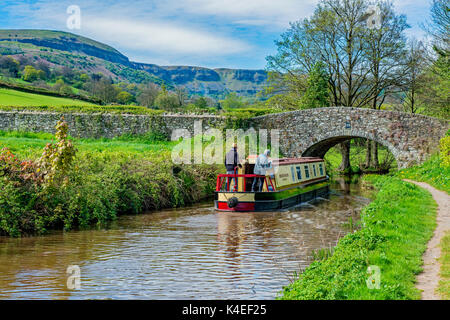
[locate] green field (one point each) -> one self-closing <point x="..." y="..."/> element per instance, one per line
<point x="10" y="97"/>
<point x="29" y="145"/>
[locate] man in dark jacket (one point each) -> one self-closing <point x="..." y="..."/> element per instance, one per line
<point x="231" y="162"/>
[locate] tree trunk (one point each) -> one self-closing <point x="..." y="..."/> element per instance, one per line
<point x="375" y="162"/>
<point x="345" y="152"/>
<point x="368" y="153"/>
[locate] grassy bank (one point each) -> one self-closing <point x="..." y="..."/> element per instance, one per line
<point x="444" y="283"/>
<point x="432" y="172"/>
<point x="106" y="178"/>
<point x="396" y="227"/>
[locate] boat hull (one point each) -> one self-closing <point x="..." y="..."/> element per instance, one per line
<point x="270" y="201"/>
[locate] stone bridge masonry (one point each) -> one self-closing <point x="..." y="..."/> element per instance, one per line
<point x="310" y="132"/>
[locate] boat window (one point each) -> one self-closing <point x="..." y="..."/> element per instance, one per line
<point x="306" y="171"/>
<point x="314" y="169"/>
<point x="321" y="169"/>
<point x="299" y="173"/>
<point x="293" y="174"/>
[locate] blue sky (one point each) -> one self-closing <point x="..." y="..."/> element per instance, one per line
<point x="209" y="33"/>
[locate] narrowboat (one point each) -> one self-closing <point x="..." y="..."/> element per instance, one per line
<point x="289" y="182"/>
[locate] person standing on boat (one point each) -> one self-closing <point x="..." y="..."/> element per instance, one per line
<point x="231" y="162"/>
<point x="262" y="164"/>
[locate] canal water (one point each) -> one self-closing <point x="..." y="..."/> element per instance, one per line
<point x="189" y="253"/>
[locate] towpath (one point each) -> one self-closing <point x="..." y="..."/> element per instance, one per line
<point x="428" y="280"/>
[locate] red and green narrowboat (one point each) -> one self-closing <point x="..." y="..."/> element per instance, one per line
<point x="291" y="181"/>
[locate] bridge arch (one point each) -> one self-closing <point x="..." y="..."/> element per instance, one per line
<point x="312" y="132"/>
<point x="325" y="143"/>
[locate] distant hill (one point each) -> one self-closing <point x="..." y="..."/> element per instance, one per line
<point x="87" y="55"/>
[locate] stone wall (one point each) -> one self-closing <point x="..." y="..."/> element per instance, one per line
<point x="105" y="125"/>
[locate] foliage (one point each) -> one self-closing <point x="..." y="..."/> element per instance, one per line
<point x="10" y="65"/>
<point x="30" y="74"/>
<point x="317" y="93"/>
<point x="125" y="97"/>
<point x="285" y="90"/>
<point x="240" y="119"/>
<point x="396" y="227"/>
<point x="232" y="101"/>
<point x="57" y="159"/>
<point x="445" y="151"/>
<point x="167" y="101"/>
<point x="107" y="178"/>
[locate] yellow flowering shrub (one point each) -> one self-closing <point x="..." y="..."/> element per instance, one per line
<point x="445" y="151"/>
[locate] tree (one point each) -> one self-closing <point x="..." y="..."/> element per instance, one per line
<point x="42" y="65"/>
<point x="436" y="96"/>
<point x="201" y="103"/>
<point x="182" y="95"/>
<point x="414" y="79"/>
<point x="439" y="26"/>
<point x="10" y="66"/>
<point x="386" y="55"/>
<point x="148" y="94"/>
<point x="124" y="97"/>
<point x="166" y="101"/>
<point x="317" y="93"/>
<point x="232" y="101"/>
<point x="30" y="74"/>
<point x="337" y="35"/>
<point x="66" y="90"/>
<point x="285" y="90"/>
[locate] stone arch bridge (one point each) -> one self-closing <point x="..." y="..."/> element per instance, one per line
<point x="312" y="132"/>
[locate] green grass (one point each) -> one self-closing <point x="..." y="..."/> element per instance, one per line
<point x="444" y="283"/>
<point x="396" y="227"/>
<point x="16" y="98"/>
<point x="431" y="171"/>
<point x="29" y="145"/>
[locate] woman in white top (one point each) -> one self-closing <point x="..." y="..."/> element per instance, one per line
<point x="262" y="164"/>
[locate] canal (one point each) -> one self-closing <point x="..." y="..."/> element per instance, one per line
<point x="189" y="253"/>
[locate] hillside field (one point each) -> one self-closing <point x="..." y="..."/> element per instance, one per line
<point x="15" y="98"/>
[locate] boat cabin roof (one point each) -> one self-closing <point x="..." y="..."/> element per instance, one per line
<point x="287" y="161"/>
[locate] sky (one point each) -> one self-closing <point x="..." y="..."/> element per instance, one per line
<point x="208" y="33"/>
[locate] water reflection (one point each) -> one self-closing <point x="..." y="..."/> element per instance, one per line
<point x="192" y="253"/>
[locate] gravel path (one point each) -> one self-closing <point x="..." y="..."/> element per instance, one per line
<point x="428" y="280"/>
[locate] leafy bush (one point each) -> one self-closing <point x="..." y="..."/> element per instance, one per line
<point x="445" y="151"/>
<point x="240" y="118"/>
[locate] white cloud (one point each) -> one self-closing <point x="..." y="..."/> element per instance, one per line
<point x="161" y="37"/>
<point x="252" y="12"/>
